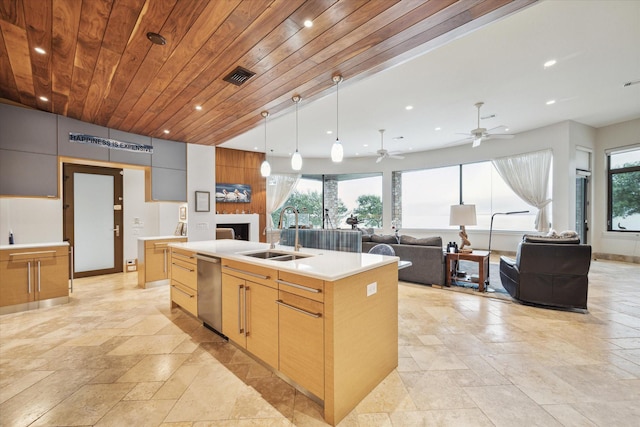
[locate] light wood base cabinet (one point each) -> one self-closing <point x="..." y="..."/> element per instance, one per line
<point x="154" y="261"/>
<point x="184" y="280"/>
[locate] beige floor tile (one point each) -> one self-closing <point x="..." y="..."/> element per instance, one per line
<point x="155" y="367"/>
<point x="136" y="413"/>
<point x="568" y="416"/>
<point x="390" y="395"/>
<point x="436" y="390"/>
<point x="153" y="344"/>
<point x="441" y="418"/>
<point x="143" y="391"/>
<point x="10" y="385"/>
<point x="177" y="383"/>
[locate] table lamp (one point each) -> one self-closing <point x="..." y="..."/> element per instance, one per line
<point x="463" y="215"/>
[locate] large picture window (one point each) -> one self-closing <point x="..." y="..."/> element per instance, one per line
<point x="427" y="195"/>
<point x="624" y="190"/>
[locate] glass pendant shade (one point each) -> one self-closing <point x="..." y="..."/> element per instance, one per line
<point x="296" y="161"/>
<point x="265" y="168"/>
<point x="337" y="152"/>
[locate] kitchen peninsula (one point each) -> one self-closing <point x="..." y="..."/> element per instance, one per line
<point x="325" y="321"/>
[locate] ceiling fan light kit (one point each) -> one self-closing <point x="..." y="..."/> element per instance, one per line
<point x="479" y="134"/>
<point x="265" y="167"/>
<point x="337" y="151"/>
<point x="296" y="159"/>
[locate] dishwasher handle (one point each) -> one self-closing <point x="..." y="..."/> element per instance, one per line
<point x="208" y="259"/>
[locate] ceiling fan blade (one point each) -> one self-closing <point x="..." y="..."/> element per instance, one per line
<point x="379" y="159"/>
<point x="395" y="156"/>
<point x="500" y="136"/>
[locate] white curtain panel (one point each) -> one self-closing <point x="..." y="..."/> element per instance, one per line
<point x="279" y="188"/>
<point x="528" y="176"/>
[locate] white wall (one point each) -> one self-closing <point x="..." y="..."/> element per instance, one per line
<point x="201" y="176"/>
<point x="614" y="136"/>
<point x="33" y="220"/>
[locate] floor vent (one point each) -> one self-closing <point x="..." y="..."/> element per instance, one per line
<point x="238" y="76"/>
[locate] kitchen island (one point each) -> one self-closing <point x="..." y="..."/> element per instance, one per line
<point x="326" y="321"/>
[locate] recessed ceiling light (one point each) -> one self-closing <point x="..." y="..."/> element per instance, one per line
<point x="166" y="131"/>
<point x="506" y="129"/>
<point x="365" y="145"/>
<point x="308" y="23"/>
<point x="357" y="154"/>
<point x="40" y="50"/>
<point x="408" y="107"/>
<point x="550" y="63"/>
<point x="156" y="38"/>
<point x="199" y="107"/>
<point x="438" y="128"/>
<point x="329" y="132"/>
<point x="44" y="98"/>
<point x="255" y="148"/>
<point x="551" y="102"/>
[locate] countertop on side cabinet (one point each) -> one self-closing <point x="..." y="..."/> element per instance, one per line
<point x="161" y="237"/>
<point x="33" y="245"/>
<point x="322" y="264"/>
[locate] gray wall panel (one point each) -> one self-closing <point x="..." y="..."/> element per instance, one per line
<point x="28" y="174"/>
<point x="74" y="149"/>
<point x="130" y="157"/>
<point x="169" y="154"/>
<point x="168" y="184"/>
<point x="27" y="130"/>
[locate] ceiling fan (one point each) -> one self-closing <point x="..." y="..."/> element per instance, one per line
<point x="382" y="153"/>
<point x="479" y="134"/>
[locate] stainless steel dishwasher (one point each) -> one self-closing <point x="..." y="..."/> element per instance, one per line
<point x="210" y="291"/>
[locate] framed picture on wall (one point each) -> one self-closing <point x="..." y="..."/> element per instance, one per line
<point x="203" y="204"/>
<point x="233" y="193"/>
<point x="183" y="213"/>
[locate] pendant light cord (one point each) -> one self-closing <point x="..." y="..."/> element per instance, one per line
<point x="337" y="110"/>
<point x="298" y="100"/>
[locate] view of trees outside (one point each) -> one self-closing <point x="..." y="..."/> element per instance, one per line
<point x="625" y="191"/>
<point x="369" y="211"/>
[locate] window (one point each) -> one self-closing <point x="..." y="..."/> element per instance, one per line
<point x="362" y="196"/>
<point x="307" y="198"/>
<point x="624" y="190"/>
<point x="427" y="195"/>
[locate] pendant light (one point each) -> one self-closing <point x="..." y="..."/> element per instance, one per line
<point x="296" y="159"/>
<point x="337" y="152"/>
<point x="265" y="167"/>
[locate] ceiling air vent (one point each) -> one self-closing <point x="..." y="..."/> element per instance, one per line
<point x="238" y="76"/>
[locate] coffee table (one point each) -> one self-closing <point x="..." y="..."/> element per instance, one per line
<point x="481" y="257"/>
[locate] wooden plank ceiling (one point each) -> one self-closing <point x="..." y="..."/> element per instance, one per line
<point x="100" y="67"/>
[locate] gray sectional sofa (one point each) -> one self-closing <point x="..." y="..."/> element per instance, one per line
<point x="426" y="256"/>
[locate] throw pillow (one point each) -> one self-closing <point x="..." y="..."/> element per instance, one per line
<point x="549" y="239"/>
<point x="384" y="238"/>
<point x="425" y="241"/>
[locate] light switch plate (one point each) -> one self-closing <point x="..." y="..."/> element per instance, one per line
<point x="372" y="288"/>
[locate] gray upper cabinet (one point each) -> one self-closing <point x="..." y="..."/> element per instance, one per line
<point x="76" y="149"/>
<point x="26" y="130"/>
<point x="130" y="157"/>
<point x="169" y="154"/>
<point x="28" y="174"/>
<point x="168" y="185"/>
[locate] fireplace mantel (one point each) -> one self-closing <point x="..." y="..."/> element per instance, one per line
<point x="252" y="219"/>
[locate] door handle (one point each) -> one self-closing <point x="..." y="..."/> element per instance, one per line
<point x="117" y="230"/>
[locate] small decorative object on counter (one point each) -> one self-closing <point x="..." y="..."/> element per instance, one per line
<point x="11" y="237"/>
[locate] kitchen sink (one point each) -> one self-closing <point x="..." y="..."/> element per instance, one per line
<point x="277" y="255"/>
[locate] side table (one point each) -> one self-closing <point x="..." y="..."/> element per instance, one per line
<point x="481" y="257"/>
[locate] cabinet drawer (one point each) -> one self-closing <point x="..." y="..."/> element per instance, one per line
<point x="255" y="273"/>
<point x="162" y="243"/>
<point x="184" y="255"/>
<point x="184" y="272"/>
<point x="307" y="287"/>
<point x="185" y="297"/>
<point x="33" y="253"/>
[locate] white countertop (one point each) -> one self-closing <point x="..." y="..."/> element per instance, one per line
<point x="33" y="245"/>
<point x="324" y="264"/>
<point x="161" y="237"/>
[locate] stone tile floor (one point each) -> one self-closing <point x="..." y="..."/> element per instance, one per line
<point x="117" y="355"/>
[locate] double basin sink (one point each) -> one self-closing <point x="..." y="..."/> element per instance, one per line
<point x="277" y="255"/>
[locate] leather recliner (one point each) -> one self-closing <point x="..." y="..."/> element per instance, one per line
<point x="548" y="274"/>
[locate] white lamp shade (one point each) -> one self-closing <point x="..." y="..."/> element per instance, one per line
<point x="265" y="169"/>
<point x="296" y="161"/>
<point x="337" y="152"/>
<point x="462" y="215"/>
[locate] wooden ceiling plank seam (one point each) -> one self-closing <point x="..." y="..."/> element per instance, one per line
<point x="237" y="95"/>
<point x="122" y="20"/>
<point x="291" y="73"/>
<point x="65" y="25"/>
<point x="182" y="89"/>
<point x="153" y="16"/>
<point x="232" y="55"/>
<point x="372" y="50"/>
<point x="462" y="16"/>
<point x="94" y="16"/>
<point x="8" y="86"/>
<point x="15" y="38"/>
<point x="12" y="11"/>
<point x="205" y="26"/>
<point x="178" y="22"/>
<point x="38" y="18"/>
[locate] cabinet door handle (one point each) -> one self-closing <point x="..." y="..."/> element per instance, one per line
<point x="240" y="330"/>
<point x="38" y="275"/>
<point x="237" y="270"/>
<point x="190" y="270"/>
<point x="180" y="290"/>
<point x="299" y="310"/>
<point x="179" y="255"/>
<point x="164" y="267"/>
<point x="29" y="276"/>
<point x="35" y="254"/>
<point x="246" y="325"/>
<point x="295" y="285"/>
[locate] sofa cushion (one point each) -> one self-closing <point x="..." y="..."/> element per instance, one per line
<point x="425" y="241"/>
<point x="366" y="237"/>
<point x="384" y="238"/>
<point x="551" y="239"/>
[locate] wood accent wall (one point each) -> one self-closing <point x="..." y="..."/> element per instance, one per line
<point x="242" y="167"/>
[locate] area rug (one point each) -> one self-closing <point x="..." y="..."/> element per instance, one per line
<point x="495" y="289"/>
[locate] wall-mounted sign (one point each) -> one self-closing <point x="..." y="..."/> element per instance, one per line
<point x="110" y="143"/>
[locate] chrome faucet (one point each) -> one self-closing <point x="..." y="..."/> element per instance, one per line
<point x="296" y="246"/>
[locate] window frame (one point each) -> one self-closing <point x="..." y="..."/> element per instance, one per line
<point x="610" y="175"/>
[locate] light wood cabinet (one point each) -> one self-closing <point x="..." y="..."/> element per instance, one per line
<point x="31" y="277"/>
<point x="184" y="280"/>
<point x="154" y="263"/>
<point x="250" y="313"/>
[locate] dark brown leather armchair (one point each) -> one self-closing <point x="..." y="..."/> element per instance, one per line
<point x="549" y="274"/>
